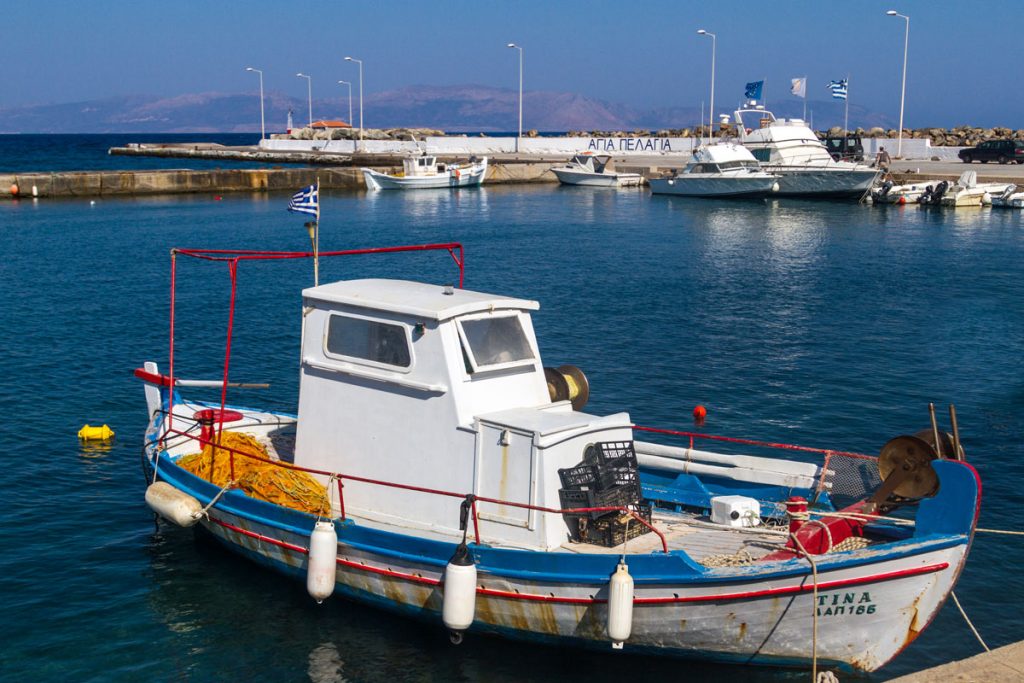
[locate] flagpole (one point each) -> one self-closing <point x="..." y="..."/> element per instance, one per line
<point x="805" y="98"/>
<point x="846" y="116"/>
<point x="316" y="238"/>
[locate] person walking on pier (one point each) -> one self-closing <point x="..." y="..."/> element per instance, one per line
<point x="882" y="160"/>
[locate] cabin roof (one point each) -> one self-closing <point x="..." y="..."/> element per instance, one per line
<point x="413" y="298"/>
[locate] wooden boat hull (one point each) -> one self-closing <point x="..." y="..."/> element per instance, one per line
<point x="869" y="604"/>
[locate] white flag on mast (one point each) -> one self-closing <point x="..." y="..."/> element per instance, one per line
<point x="799" y="87"/>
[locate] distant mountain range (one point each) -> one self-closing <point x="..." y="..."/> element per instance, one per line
<point x="450" y="108"/>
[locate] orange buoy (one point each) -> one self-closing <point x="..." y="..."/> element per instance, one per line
<point x="699" y="413"/>
<point x="14" y="189"/>
<point x="903" y="200"/>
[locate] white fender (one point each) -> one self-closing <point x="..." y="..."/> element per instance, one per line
<point x="458" y="607"/>
<point x="620" y="605"/>
<point x="173" y="505"/>
<point x="321" y="570"/>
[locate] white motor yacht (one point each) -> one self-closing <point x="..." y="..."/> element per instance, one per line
<point x="790" y="149"/>
<point x="587" y="168"/>
<point x="724" y="169"/>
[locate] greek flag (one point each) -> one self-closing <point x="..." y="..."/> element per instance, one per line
<point x="838" y="89"/>
<point x="306" y="200"/>
<point x="753" y="91"/>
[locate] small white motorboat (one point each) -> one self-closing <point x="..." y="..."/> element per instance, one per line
<point x="1011" y="198"/>
<point x="592" y="169"/>
<point x="724" y="169"/>
<point x="966" y="191"/>
<point x="423" y="172"/>
<point x="908" y="193"/>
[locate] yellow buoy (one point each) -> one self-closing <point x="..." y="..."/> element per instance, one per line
<point x="88" y="433"/>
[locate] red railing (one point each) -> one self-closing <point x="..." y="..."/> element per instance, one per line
<point x="750" y="442"/>
<point x="471" y="498"/>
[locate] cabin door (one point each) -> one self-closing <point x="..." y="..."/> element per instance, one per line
<point x="505" y="472"/>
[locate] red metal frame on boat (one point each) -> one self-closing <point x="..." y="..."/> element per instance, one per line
<point x="234" y="256"/>
<point x="750" y="442"/>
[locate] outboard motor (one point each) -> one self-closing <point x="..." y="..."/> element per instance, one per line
<point x="940" y="190"/>
<point x="886" y="186"/>
<point x="926" y="196"/>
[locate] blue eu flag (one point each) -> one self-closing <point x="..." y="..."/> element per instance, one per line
<point x="753" y="91"/>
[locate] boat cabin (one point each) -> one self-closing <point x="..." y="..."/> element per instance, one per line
<point x="594" y="163"/>
<point x="421" y="165"/>
<point x="721" y="157"/>
<point x="441" y="388"/>
<point x="778" y="141"/>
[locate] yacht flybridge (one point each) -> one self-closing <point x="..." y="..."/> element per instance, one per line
<point x="436" y="468"/>
<point x="790" y="149"/>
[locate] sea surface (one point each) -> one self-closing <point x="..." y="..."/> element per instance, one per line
<point x="822" y="324"/>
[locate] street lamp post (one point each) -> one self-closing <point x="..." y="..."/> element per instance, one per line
<point x="349" y="100"/>
<point x="520" y="135"/>
<point x="360" y="63"/>
<point x="711" y="116"/>
<point x="309" y="83"/>
<point x="903" y="89"/>
<point x="263" y="126"/>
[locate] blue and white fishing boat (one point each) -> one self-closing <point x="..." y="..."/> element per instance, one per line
<point x="465" y="486"/>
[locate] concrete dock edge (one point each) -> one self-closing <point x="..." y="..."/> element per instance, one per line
<point x="1002" y="665"/>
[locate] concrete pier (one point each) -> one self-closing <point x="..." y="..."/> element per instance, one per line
<point x="126" y="183"/>
<point x="1002" y="665"/>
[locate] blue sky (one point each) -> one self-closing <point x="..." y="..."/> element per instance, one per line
<point x="963" y="66"/>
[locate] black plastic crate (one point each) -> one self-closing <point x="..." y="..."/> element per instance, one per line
<point x="578" y="477"/>
<point x="611" y="453"/>
<point x="615" y="530"/>
<point x="571" y="499"/>
<point x="618" y="477"/>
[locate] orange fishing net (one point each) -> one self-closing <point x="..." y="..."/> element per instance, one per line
<point x="262" y="480"/>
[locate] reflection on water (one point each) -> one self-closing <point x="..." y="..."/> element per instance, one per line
<point x="325" y="664"/>
<point x="95" y="449"/>
<point x="433" y="204"/>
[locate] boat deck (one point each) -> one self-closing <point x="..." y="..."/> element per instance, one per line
<point x="698" y="537"/>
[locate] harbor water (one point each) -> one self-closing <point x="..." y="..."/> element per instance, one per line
<point x="823" y="324"/>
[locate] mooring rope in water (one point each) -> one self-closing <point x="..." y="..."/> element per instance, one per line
<point x="967" y="619"/>
<point x="1001" y="531"/>
<point x="814" y="607"/>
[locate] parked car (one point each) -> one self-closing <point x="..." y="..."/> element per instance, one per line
<point x="845" y="148"/>
<point x="1003" y="151"/>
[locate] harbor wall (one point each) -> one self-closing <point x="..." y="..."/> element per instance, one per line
<point x="681" y="147"/>
<point x="126" y="183"/>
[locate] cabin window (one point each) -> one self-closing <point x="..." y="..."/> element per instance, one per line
<point x="495" y="342"/>
<point x="368" y="340"/>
